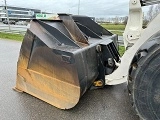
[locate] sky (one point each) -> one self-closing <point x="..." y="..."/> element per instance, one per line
<point x="94" y="8"/>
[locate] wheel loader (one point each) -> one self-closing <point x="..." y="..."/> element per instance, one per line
<point x="61" y="59"/>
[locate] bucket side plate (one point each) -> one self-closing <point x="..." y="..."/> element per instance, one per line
<point x="47" y="73"/>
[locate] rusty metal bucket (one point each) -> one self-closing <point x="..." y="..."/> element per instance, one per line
<point x="59" y="59"/>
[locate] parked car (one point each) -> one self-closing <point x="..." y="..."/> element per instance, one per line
<point x="10" y="22"/>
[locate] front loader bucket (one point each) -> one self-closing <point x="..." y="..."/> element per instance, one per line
<point x="58" y="59"/>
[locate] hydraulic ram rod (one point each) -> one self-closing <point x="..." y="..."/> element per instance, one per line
<point x="149" y="2"/>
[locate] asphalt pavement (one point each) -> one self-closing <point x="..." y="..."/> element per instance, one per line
<point x="109" y="103"/>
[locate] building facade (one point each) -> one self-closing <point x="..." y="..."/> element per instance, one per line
<point x="17" y="13"/>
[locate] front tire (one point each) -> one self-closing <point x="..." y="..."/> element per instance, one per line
<point x="144" y="83"/>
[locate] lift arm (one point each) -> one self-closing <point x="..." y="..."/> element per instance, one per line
<point x="134" y="24"/>
<point x="138" y="38"/>
<point x="133" y="28"/>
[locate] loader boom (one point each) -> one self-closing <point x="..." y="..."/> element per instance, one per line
<point x="134" y="36"/>
<point x="131" y="36"/>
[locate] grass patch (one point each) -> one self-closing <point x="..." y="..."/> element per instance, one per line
<point x="117" y="32"/>
<point x="121" y="50"/>
<point x="113" y="27"/>
<point x="10" y="36"/>
<point x="117" y="29"/>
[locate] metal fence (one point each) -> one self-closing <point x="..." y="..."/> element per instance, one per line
<point x="15" y="29"/>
